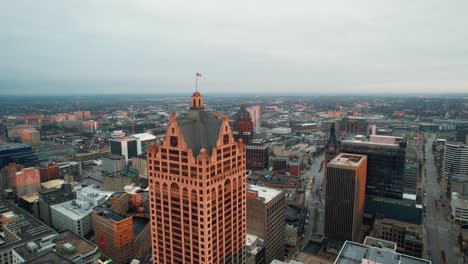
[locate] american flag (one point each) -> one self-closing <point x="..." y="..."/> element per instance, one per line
<point x="199" y="74"/>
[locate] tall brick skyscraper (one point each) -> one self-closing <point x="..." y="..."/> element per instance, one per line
<point x="198" y="191"/>
<point x="243" y="125"/>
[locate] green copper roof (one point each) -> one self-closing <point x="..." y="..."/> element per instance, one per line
<point x="200" y="130"/>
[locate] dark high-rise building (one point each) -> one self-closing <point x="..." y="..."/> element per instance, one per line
<point x="243" y="126"/>
<point x="17" y="153"/>
<point x="353" y="125"/>
<point x="266" y="218"/>
<point x="197" y="188"/>
<point x="257" y="154"/>
<point x="385" y="165"/>
<point x="331" y="149"/>
<point x="128" y="146"/>
<point x="345" y="195"/>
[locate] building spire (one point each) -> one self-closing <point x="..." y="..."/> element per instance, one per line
<point x="197" y="101"/>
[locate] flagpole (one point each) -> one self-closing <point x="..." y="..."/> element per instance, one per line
<point x="196" y="82"/>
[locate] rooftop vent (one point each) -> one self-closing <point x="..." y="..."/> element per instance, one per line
<point x="69" y="248"/>
<point x="32" y="246"/>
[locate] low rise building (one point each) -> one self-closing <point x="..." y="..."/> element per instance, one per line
<point x="408" y="237"/>
<point x="255" y="250"/>
<point x="18" y="228"/>
<point x="459" y="206"/>
<point x="113" y="164"/>
<point x="75" y="215"/>
<point x="374" y="251"/>
<point x="64" y="246"/>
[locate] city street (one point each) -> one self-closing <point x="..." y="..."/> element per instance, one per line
<point x="440" y="239"/>
<point x="313" y="201"/>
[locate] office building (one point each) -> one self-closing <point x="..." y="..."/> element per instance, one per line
<point x="243" y="126"/>
<point x="374" y="250"/>
<point x="459" y="207"/>
<point x="140" y="163"/>
<point x="407" y="236"/>
<point x="80" y="115"/>
<point x="385" y="165"/>
<point x="50" y="197"/>
<point x="24" y="181"/>
<point x="70" y="168"/>
<point x="121" y="238"/>
<point x="49" y="171"/>
<point x="64" y="247"/>
<point x="113" y="164"/>
<point x="344" y="200"/>
<point x="127" y="146"/>
<point x="75" y="215"/>
<point x="255" y="113"/>
<point x="197" y="191"/>
<point x="17" y="153"/>
<point x="455" y="159"/>
<point x="30" y="137"/>
<point x="266" y="218"/>
<point x="19" y="228"/>
<point x="257" y="154"/>
<point x="255" y="250"/>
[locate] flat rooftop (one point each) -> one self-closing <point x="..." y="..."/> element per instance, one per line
<point x="368" y="143"/>
<point x="61" y="240"/>
<point x="9" y="146"/>
<point x="26" y="226"/>
<point x="347" y="160"/>
<point x="355" y="253"/>
<point x="265" y="193"/>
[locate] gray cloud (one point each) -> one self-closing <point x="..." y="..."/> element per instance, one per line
<point x="263" y="46"/>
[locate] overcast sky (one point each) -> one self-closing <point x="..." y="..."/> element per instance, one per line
<point x="310" y="46"/>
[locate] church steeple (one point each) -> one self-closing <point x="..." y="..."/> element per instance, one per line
<point x="197" y="101"/>
<point x="331" y="149"/>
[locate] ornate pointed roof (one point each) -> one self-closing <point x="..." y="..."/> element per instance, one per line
<point x="243" y="113"/>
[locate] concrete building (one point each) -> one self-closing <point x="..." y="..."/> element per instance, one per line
<point x="459" y="207"/>
<point x="50" y="197"/>
<point x="257" y="154"/>
<point x="114" y="163"/>
<point x="266" y="218"/>
<point x="455" y="159"/>
<point x="255" y="250"/>
<point x="121" y="238"/>
<point x="408" y="237"/>
<point x="140" y="163"/>
<point x="70" y="168"/>
<point x="75" y="215"/>
<point x="345" y="194"/>
<point x="49" y="171"/>
<point x="30" y="137"/>
<point x="374" y="251"/>
<point x="19" y="228"/>
<point x="25" y="181"/>
<point x="128" y="147"/>
<point x="197" y="191"/>
<point x="64" y="246"/>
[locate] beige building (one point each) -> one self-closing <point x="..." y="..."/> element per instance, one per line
<point x="408" y="237"/>
<point x="141" y="165"/>
<point x="266" y="218"/>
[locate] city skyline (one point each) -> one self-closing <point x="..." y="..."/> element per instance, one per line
<point x="155" y="47"/>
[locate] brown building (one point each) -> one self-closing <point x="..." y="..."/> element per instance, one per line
<point x="257" y="154"/>
<point x="243" y="126"/>
<point x="345" y="192"/>
<point x="408" y="237"/>
<point x="49" y="171"/>
<point x="266" y="218"/>
<point x="197" y="188"/>
<point x="121" y="238"/>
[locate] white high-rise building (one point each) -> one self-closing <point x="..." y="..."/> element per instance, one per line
<point x="256" y="115"/>
<point x="456" y="159"/>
